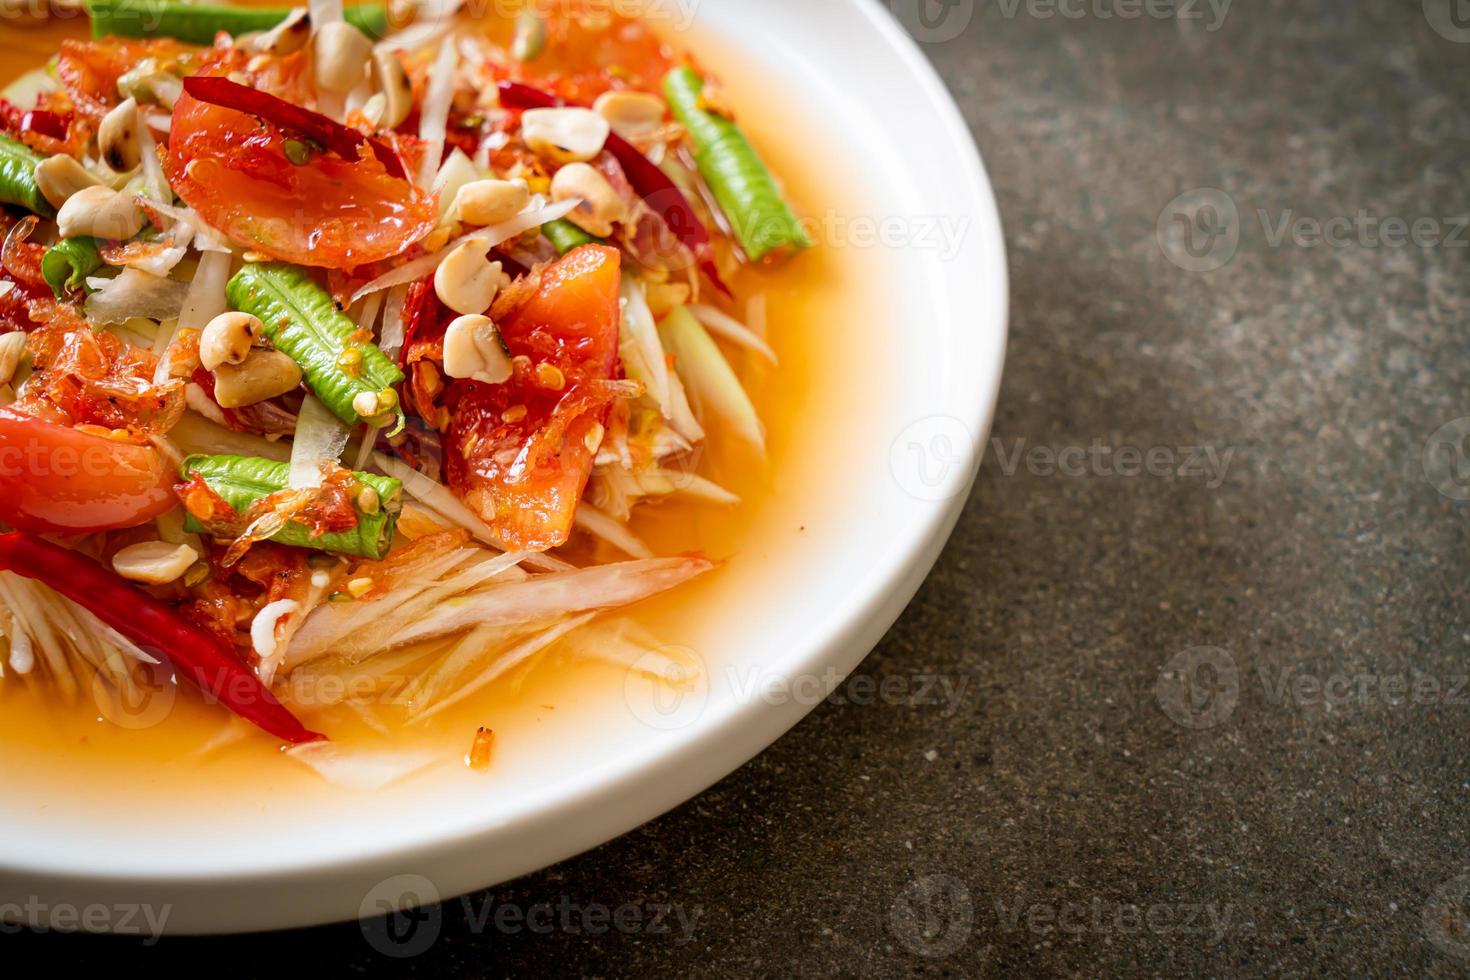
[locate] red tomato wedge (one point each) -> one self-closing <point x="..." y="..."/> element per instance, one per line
<point x="524" y="471"/>
<point x="54" y="478"/>
<point x="328" y="212"/>
<point x="89" y="70"/>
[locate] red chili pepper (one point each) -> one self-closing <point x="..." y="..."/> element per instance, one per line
<point x="334" y="137"/>
<point x="46" y="123"/>
<point x="16" y="120"/>
<point x="150" y="623"/>
<point x="651" y="183"/>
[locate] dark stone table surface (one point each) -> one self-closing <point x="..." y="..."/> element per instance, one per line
<point x="1202" y="628"/>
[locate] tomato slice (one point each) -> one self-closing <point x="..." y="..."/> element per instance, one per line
<point x="524" y="471"/>
<point x="589" y="50"/>
<point x="329" y="212"/>
<point x="89" y="70"/>
<point x="54" y="478"/>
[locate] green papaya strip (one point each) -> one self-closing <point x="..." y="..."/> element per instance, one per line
<point x="302" y="322"/>
<point x="743" y="187"/>
<point x="18" y="178"/>
<point x="198" y="23"/>
<point x="242" y="480"/>
<point x="565" y="236"/>
<point x="67" y="264"/>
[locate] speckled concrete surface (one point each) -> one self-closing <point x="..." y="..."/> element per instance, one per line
<point x="1200" y="724"/>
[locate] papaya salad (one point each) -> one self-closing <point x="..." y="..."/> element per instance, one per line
<point x="348" y="343"/>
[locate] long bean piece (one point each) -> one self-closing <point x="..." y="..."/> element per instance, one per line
<point x="349" y="375"/>
<point x="242" y="480"/>
<point x="565" y="236"/>
<point x="743" y="187"/>
<point x="67" y="264"/>
<point x="18" y="178"/>
<point x="197" y="23"/>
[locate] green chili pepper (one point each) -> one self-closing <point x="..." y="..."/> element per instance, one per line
<point x="199" y="23"/>
<point x="67" y="264"/>
<point x="18" y="178"/>
<point x="743" y="187"/>
<point x="242" y="480"/>
<point x="302" y="322"/>
<point x="566" y="236"/>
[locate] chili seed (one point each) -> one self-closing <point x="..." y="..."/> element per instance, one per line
<point x="513" y="414"/>
<point x="550" y="376"/>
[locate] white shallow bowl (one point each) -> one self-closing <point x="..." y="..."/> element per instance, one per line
<point x="833" y="558"/>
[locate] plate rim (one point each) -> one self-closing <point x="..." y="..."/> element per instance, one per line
<point x="734" y="738"/>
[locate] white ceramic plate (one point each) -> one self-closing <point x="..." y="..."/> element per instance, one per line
<point x="889" y="446"/>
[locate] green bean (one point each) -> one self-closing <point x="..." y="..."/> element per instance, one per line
<point x="18" y="178"/>
<point x="199" y="23"/>
<point x="743" y="187"/>
<point x="67" y="264"/>
<point x="301" y="321"/>
<point x="566" y="236"/>
<point x="242" y="480"/>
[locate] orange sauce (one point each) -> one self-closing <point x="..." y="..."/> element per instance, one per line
<point x="811" y="302"/>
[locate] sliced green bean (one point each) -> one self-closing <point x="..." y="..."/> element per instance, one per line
<point x="18" y="178"/>
<point x="301" y="321"/>
<point x="67" y="264"/>
<point x="743" y="187"/>
<point x="198" y="23"/>
<point x="242" y="480"/>
<point x="565" y="236"/>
